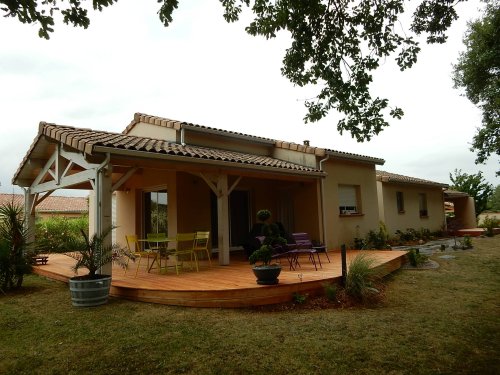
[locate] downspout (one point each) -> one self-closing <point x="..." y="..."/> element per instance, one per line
<point x="323" y="211"/>
<point x="98" y="195"/>
<point x="183" y="143"/>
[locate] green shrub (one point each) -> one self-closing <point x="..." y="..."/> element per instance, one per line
<point x="360" y="278"/>
<point x="416" y="259"/>
<point x="14" y="256"/>
<point x="378" y="239"/>
<point x="490" y="223"/>
<point x="52" y="233"/>
<point x="331" y="292"/>
<point x="300" y="298"/>
<point x="466" y="242"/>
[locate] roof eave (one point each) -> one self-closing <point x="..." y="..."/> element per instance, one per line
<point x="220" y="163"/>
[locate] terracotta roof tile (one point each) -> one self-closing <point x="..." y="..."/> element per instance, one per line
<point x="393" y="177"/>
<point x="51" y="203"/>
<point x="85" y="140"/>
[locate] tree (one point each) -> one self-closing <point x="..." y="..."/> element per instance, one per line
<point x="474" y="185"/>
<point x="336" y="44"/>
<point x="478" y="72"/>
<point x="494" y="200"/>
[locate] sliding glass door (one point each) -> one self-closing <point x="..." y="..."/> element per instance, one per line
<point x="155" y="212"/>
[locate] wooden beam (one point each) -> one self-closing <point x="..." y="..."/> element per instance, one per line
<point x="67" y="181"/>
<point x="124" y="178"/>
<point x="77" y="159"/>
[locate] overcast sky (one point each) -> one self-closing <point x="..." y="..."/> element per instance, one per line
<point x="205" y="71"/>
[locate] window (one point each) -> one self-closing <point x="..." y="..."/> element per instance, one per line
<point x="155" y="210"/>
<point x="349" y="202"/>
<point x="422" y="204"/>
<point x="400" y="202"/>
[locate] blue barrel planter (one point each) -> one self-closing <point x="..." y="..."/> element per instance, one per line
<point x="87" y="292"/>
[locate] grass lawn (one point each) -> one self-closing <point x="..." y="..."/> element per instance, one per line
<point x="443" y="321"/>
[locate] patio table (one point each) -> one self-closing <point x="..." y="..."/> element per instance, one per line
<point x="161" y="247"/>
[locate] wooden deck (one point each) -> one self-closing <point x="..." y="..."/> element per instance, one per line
<point x="221" y="286"/>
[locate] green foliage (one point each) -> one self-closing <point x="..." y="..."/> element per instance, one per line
<point x="52" y="233"/>
<point x="415" y="258"/>
<point x="262" y="254"/>
<point x="478" y="72"/>
<point x="263" y="215"/>
<point x="475" y="186"/>
<point x="466" y="242"/>
<point x="300" y="298"/>
<point x="490" y="223"/>
<point x="331" y="292"/>
<point x="378" y="239"/>
<point x="335" y="45"/>
<point x="361" y="277"/>
<point x="359" y="243"/>
<point x="95" y="252"/>
<point x="494" y="200"/>
<point x="14" y="257"/>
<point x="412" y="234"/>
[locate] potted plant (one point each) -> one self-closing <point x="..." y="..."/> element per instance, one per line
<point x="266" y="273"/>
<point x="92" y="253"/>
<point x="271" y="242"/>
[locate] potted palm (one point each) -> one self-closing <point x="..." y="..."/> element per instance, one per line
<point x="92" y="253"/>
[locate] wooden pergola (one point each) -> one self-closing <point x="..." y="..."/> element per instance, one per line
<point x="66" y="157"/>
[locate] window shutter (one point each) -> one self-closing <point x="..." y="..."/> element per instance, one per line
<point x="347" y="196"/>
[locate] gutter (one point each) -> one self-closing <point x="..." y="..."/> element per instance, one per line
<point x="212" y="162"/>
<point x="323" y="209"/>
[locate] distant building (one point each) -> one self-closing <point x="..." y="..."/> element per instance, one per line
<point x="52" y="205"/>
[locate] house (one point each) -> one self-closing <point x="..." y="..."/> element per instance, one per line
<point x="408" y="202"/>
<point x="171" y="176"/>
<point x="53" y="206"/>
<point x="464" y="211"/>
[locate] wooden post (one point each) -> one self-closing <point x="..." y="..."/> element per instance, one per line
<point x="343" y="255"/>
<point x="102" y="208"/>
<point x="29" y="215"/>
<point x="223" y="219"/>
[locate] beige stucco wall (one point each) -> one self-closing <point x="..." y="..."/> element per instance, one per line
<point x="129" y="201"/>
<point x="342" y="229"/>
<point x="154" y="131"/>
<point x="295" y="157"/>
<point x="225" y="143"/>
<point x="410" y="218"/>
<point x="491" y="215"/>
<point x="465" y="212"/>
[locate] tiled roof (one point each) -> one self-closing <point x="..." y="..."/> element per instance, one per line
<point x="393" y="177"/>
<point x="455" y="194"/>
<point x="357" y="157"/>
<point x="87" y="140"/>
<point x="51" y="203"/>
<point x="168" y="123"/>
<point x="174" y="124"/>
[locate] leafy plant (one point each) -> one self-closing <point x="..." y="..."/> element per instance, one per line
<point x="415" y="258"/>
<point x="93" y="253"/>
<point x="490" y="223"/>
<point x="263" y="215"/>
<point x="14" y="258"/>
<point x="52" y="233"/>
<point x="466" y="242"/>
<point x="331" y="292"/>
<point x="378" y="239"/>
<point x="262" y="254"/>
<point x="300" y="298"/>
<point x="361" y="276"/>
<point x="359" y="243"/>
